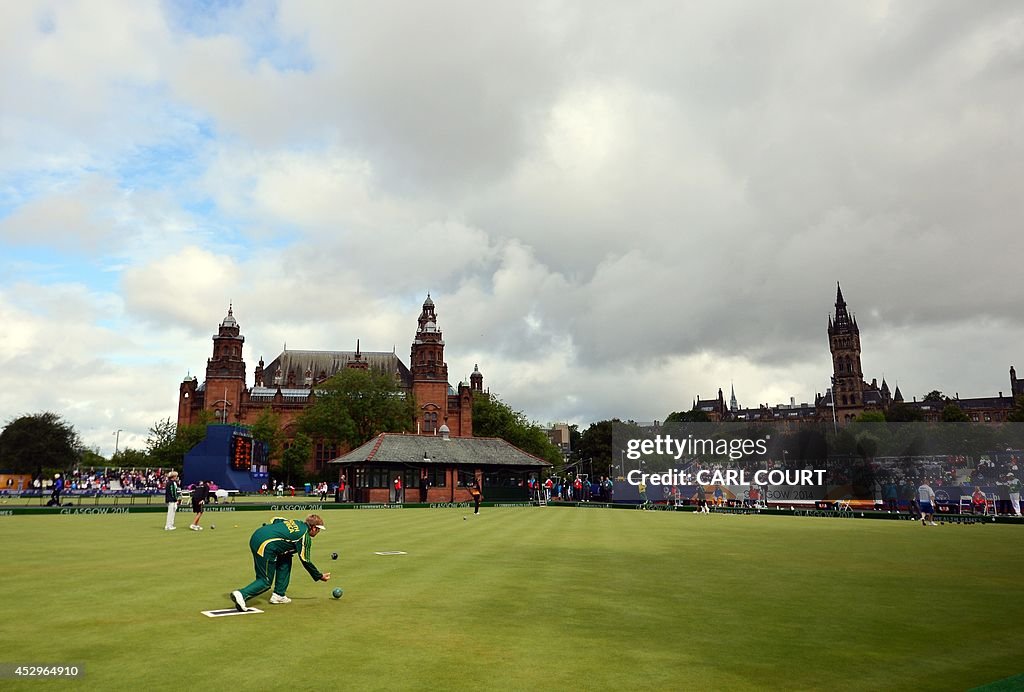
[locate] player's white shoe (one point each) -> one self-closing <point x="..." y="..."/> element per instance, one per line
<point x="275" y="599"/>
<point x="238" y="600"/>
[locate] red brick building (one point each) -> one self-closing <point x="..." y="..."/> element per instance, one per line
<point x="287" y="385"/>
<point x="444" y="467"/>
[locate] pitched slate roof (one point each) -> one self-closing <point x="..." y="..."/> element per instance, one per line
<point x="330" y="363"/>
<point x="410" y="449"/>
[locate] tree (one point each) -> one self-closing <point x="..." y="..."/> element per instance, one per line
<point x="31" y="443"/>
<point x="267" y="429"/>
<point x="954" y="414"/>
<point x="1017" y="414"/>
<point x="294" y="459"/>
<point x="596" y="444"/>
<point x="494" y="418"/>
<point x="871" y="417"/>
<point x="168" y="443"/>
<point x="691" y="416"/>
<point x="92" y="459"/>
<point x="129" y="458"/>
<point x="936" y="396"/>
<point x="903" y="413"/>
<point x="354" y="405"/>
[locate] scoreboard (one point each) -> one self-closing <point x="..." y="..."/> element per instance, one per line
<point x="241" y="453"/>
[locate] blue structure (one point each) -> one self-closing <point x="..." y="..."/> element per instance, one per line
<point x="230" y="457"/>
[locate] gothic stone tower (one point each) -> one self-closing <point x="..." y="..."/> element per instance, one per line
<point x="847" y="375"/>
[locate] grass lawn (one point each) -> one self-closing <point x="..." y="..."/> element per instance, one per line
<point x="520" y="598"/>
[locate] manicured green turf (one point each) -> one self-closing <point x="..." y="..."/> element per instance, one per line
<point x="521" y="598"/>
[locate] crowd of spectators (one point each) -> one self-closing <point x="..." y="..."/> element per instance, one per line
<point x="117" y="480"/>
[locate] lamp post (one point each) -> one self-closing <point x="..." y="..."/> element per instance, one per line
<point x="117" y="440"/>
<point x="222" y="412"/>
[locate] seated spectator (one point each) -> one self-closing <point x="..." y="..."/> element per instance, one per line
<point x="978" y="500"/>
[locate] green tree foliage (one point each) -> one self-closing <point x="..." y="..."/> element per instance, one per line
<point x="129" y="458"/>
<point x="293" y="459"/>
<point x="936" y="396"/>
<point x="596" y="444"/>
<point x="494" y="418"/>
<point x="871" y="417"/>
<point x="954" y="414"/>
<point x="92" y="459"/>
<point x="355" y="405"/>
<point x="168" y="442"/>
<point x="1017" y="414"/>
<point x="691" y="416"/>
<point x="903" y="413"/>
<point x="267" y="428"/>
<point x="574" y="436"/>
<point x="37" y="442"/>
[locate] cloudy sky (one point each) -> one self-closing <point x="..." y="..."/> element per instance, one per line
<point x="616" y="206"/>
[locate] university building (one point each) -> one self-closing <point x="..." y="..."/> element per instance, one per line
<point x="287" y="385"/>
<point x="851" y="395"/>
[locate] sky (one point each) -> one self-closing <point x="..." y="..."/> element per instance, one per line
<point x="616" y="207"/>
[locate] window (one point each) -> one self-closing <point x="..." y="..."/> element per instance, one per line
<point x="429" y="422"/>
<point x="372" y="477"/>
<point x="435" y="477"/>
<point x="323" y="453"/>
<point x="410" y="479"/>
<point x="505" y="479"/>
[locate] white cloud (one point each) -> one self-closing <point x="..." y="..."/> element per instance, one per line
<point x="616" y="206"/>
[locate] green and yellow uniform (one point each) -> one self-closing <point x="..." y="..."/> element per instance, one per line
<point x="272" y="547"/>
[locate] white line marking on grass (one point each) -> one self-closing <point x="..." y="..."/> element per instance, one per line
<point x="229" y="611"/>
<point x="392" y="552"/>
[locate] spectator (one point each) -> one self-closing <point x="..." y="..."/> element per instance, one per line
<point x="978" y="500"/>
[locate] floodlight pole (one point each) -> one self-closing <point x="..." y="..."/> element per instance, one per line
<point x="117" y="439"/>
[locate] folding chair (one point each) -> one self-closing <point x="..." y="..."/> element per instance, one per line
<point x="966" y="504"/>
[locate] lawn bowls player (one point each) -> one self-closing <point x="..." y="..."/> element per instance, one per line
<point x="272" y="547"/>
